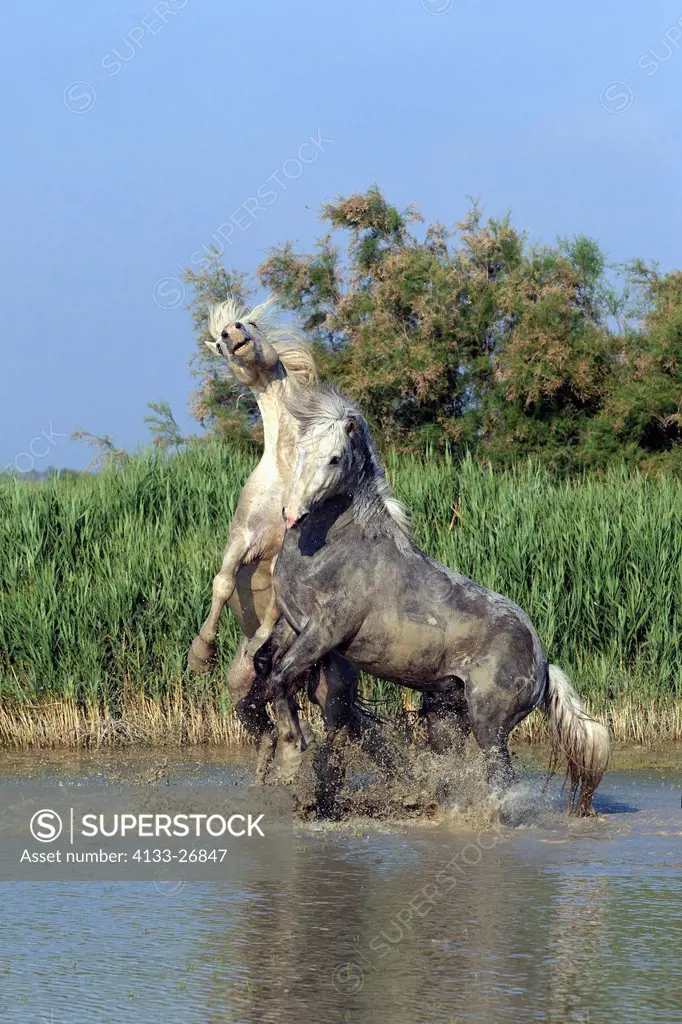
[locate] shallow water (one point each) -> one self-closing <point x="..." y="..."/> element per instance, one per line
<point x="553" y="921"/>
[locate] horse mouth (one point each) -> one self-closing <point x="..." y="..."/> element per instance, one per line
<point x="240" y="345"/>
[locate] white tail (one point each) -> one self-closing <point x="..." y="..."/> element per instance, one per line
<point x="578" y="739"/>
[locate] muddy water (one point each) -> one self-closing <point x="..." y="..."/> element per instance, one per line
<point x="547" y="921"/>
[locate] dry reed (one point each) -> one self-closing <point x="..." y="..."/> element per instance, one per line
<point x="177" y="720"/>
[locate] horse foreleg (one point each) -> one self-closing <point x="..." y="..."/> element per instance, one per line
<point x="254" y="716"/>
<point x="308" y="648"/>
<point x="273" y="644"/>
<point x="248" y="690"/>
<point x="499" y="768"/>
<point x="318" y="637"/>
<point x="248" y="693"/>
<point x="202" y="654"/>
<point x="491" y="723"/>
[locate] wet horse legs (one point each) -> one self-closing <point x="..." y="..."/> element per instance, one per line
<point x="249" y="693"/>
<point x="447" y="720"/>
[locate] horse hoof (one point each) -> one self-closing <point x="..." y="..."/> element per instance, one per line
<point x="202" y="656"/>
<point x="583" y="810"/>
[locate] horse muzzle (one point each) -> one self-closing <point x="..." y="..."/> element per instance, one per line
<point x="237" y="339"/>
<point x="293" y="519"/>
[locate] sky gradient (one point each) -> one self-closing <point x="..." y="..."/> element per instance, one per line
<point x="133" y="131"/>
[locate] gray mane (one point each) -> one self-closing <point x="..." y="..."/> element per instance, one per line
<point x="325" y="407"/>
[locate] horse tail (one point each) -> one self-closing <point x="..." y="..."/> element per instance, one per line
<point x="578" y="739"/>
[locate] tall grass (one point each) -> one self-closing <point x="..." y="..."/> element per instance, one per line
<point x="105" y="579"/>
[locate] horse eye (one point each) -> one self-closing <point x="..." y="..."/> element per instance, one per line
<point x="334" y="461"/>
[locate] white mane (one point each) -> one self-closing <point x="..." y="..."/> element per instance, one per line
<point x="395" y="508"/>
<point x="266" y="316"/>
<point x="288" y="341"/>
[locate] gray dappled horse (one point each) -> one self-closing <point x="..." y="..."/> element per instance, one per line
<point x="350" y="578"/>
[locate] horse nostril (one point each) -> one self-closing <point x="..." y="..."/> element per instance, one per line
<point x="224" y="335"/>
<point x="240" y="327"/>
<point x="284" y="513"/>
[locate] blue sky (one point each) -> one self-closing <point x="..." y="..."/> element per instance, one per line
<point x="132" y="131"/>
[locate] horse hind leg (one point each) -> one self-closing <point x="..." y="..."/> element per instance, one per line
<point x="280" y="743"/>
<point x="491" y="722"/>
<point x="265" y="649"/>
<point x="291" y="742"/>
<point x="251" y="707"/>
<point x="447" y="720"/>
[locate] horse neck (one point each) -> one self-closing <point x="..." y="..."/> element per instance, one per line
<point x="280" y="429"/>
<point x="370" y="511"/>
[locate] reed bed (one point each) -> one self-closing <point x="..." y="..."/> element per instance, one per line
<point x="105" y="579"/>
<point x="178" y="720"/>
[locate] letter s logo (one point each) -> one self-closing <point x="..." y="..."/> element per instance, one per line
<point x="616" y="97"/>
<point x="79" y="97"/>
<point x="46" y="826"/>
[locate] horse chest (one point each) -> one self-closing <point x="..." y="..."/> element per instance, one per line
<point x="303" y="580"/>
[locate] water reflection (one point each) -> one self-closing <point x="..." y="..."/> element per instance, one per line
<point x="514" y="933"/>
<point x="554" y="923"/>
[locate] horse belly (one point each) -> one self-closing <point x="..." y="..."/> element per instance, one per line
<point x="405" y="651"/>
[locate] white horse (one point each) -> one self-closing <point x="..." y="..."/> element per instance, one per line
<point x="269" y="358"/>
<point x="273" y="360"/>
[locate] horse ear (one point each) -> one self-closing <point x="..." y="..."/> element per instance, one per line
<point x="351" y="425"/>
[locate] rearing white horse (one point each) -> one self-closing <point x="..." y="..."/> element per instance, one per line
<point x="269" y="358"/>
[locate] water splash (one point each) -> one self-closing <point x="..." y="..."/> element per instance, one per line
<point x="450" y="788"/>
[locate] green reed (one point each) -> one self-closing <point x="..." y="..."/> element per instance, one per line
<point x="105" y="579"/>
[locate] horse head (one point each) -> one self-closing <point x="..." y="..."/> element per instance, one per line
<point x="257" y="346"/>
